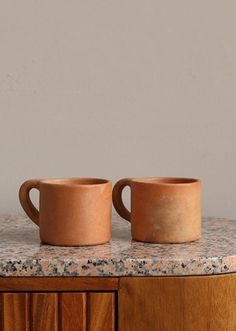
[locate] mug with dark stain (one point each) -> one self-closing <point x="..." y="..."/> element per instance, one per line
<point x="72" y="211"/>
<point x="163" y="209"/>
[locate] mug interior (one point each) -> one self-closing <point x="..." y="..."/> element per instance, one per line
<point x="75" y="181"/>
<point x="167" y="180"/>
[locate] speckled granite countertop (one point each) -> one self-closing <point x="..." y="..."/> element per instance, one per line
<point x="22" y="254"/>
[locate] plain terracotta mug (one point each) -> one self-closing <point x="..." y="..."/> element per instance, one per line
<point x="163" y="209"/>
<point x="72" y="211"/>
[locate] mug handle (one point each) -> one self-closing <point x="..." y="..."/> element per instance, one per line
<point x="25" y="200"/>
<point x="117" y="198"/>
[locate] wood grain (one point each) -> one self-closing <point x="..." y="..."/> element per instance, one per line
<point x="72" y="311"/>
<point x="201" y="303"/>
<point x="44" y="314"/>
<point x="59" y="284"/>
<point x="101" y="311"/>
<point x="14" y="312"/>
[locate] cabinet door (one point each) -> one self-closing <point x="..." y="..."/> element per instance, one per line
<point x="14" y="312"/>
<point x="66" y="311"/>
<point x="73" y="311"/>
<point x="44" y="312"/>
<point x="200" y="303"/>
<point x="101" y="312"/>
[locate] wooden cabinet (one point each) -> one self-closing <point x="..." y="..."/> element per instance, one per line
<point x="65" y="311"/>
<point x="201" y="303"/>
<point x="61" y="304"/>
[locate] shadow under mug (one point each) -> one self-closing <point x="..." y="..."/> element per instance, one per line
<point x="72" y="211"/>
<point x="163" y="209"/>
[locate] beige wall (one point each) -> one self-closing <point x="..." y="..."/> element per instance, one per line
<point x="119" y="88"/>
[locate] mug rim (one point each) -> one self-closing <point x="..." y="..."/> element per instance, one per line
<point x="75" y="181"/>
<point x="167" y="181"/>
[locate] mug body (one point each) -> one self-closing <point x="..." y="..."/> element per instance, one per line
<point x="75" y="211"/>
<point x="165" y="210"/>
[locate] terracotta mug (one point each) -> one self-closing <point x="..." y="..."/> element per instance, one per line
<point x="163" y="210"/>
<point x="72" y="211"/>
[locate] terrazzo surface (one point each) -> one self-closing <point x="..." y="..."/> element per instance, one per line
<point x="22" y="254"/>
